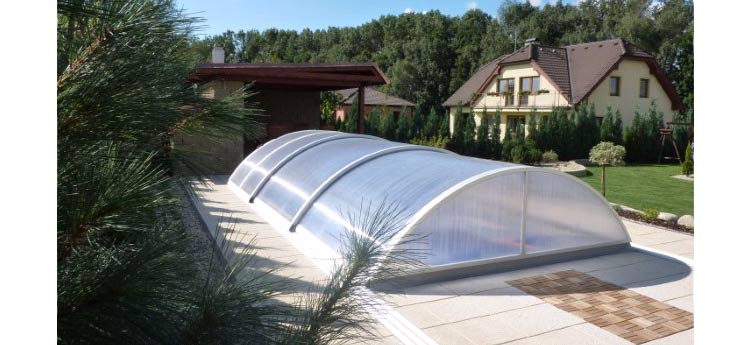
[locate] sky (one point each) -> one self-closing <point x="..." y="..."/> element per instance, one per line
<point x="222" y="15"/>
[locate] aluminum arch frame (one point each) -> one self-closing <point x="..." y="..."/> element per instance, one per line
<point x="263" y="159"/>
<point x="302" y="149"/>
<point x="349" y="167"/>
<point x="431" y="206"/>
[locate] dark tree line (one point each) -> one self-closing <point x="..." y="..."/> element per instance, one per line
<point x="428" y="56"/>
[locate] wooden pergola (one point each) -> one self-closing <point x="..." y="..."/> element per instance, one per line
<point x="292" y="76"/>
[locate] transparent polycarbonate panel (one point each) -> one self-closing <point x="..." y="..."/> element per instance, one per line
<point x="240" y="173"/>
<point x="271" y="145"/>
<point x="292" y="185"/>
<point x="245" y="167"/>
<point x="262" y="168"/>
<point x="564" y="214"/>
<point x="480" y="222"/>
<point x="410" y="179"/>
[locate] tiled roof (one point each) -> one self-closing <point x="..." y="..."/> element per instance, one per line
<point x="575" y="70"/>
<point x="465" y="92"/>
<point x="372" y="97"/>
<point x="590" y="62"/>
<point x="553" y="64"/>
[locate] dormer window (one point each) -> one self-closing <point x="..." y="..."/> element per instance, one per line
<point x="506" y="88"/>
<point x="529" y="86"/>
<point x="614" y="86"/>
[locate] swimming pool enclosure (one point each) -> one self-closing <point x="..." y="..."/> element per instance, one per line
<point x="466" y="210"/>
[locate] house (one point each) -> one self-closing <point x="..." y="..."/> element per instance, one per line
<point x="288" y="94"/>
<point x="537" y="77"/>
<point x="374" y="101"/>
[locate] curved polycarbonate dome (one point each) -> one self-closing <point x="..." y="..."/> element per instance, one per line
<point x="465" y="210"/>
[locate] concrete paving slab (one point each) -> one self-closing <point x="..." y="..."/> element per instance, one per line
<point x="627" y="258"/>
<point x="659" y="238"/>
<point x="418" y="294"/>
<point x="666" y="288"/>
<point x="682" y="248"/>
<point x="465" y="307"/>
<point x="475" y="331"/>
<point x="516" y="324"/>
<point x="448" y="334"/>
<point x="638" y="229"/>
<point x="473" y="285"/>
<point x="684" y="303"/>
<point x="672" y="242"/>
<point x="642" y="271"/>
<point x="479" y="310"/>
<point x="681" y="338"/>
<point x="582" y="334"/>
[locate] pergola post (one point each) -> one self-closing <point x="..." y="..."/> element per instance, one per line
<point x="361" y="109"/>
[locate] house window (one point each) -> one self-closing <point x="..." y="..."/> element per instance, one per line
<point x="614" y="86"/>
<point x="644" y="88"/>
<point x="506" y="88"/>
<point x="516" y="123"/>
<point x="396" y="115"/>
<point x="529" y="86"/>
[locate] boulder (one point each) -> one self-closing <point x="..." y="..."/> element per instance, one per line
<point x="667" y="217"/>
<point x="686" y="221"/>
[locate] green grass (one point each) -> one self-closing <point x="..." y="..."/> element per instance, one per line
<point x="646" y="186"/>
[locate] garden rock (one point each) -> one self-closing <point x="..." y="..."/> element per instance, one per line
<point x="669" y="217"/>
<point x="686" y="221"/>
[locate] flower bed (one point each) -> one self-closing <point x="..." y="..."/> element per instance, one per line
<point x="655" y="221"/>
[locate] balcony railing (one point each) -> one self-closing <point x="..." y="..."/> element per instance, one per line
<point x="521" y="99"/>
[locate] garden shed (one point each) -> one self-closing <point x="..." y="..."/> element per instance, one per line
<point x="473" y="215"/>
<point x="288" y="95"/>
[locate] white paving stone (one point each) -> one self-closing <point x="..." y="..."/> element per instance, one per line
<point x="627" y="258"/>
<point x="684" y="303"/>
<point x="469" y="306"/>
<point x="516" y="324"/>
<point x="479" y="310"/>
<point x="418" y="294"/>
<point x="667" y="288"/>
<point x="641" y="271"/>
<point x="682" y="338"/>
<point x="582" y="334"/>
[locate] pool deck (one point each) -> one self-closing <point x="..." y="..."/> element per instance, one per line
<point x="487" y="309"/>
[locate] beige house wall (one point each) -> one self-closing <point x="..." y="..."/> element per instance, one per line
<point x="495" y="105"/>
<point x="630" y="73"/>
<point x="545" y="100"/>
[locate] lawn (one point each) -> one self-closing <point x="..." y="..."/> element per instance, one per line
<point x="646" y="186"/>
